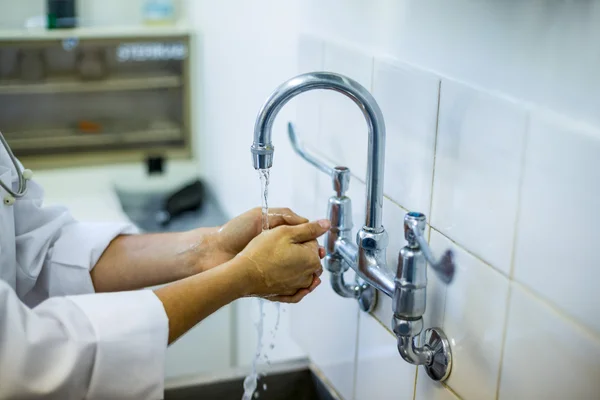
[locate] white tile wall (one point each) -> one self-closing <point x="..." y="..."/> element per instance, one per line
<point x="311" y="52"/>
<point x="474" y="322"/>
<point x="343" y="132"/>
<point x="335" y="351"/>
<point x="547" y="356"/>
<point x="477" y="171"/>
<point x="326" y="325"/>
<point x="427" y="389"/>
<point x="557" y="251"/>
<point x="306" y="124"/>
<point x="383" y="375"/>
<point x="487" y="170"/>
<point x="409" y="101"/>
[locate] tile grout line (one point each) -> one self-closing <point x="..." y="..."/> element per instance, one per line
<point x="472" y="254"/>
<point x="525" y="144"/>
<point x="415" y="385"/>
<point x="526" y="288"/>
<point x="494" y="268"/>
<point x="511" y="273"/>
<point x="503" y="344"/>
<point x="448" y="388"/>
<point x="356" y="344"/>
<point x="382" y="324"/>
<point x="594" y="335"/>
<point x="435" y="142"/>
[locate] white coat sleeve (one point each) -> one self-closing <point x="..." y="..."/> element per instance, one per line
<point x="54" y="252"/>
<point x="94" y="346"/>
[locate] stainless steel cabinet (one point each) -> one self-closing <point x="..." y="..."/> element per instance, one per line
<point x="92" y="96"/>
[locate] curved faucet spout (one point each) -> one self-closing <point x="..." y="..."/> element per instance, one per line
<point x="262" y="148"/>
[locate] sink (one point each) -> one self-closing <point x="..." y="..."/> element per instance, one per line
<point x="141" y="208"/>
<point x="287" y="381"/>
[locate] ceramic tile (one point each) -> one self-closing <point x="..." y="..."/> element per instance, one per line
<point x="559" y="221"/>
<point x="380" y="372"/>
<point x="304" y="190"/>
<point x="331" y="346"/>
<point x="436" y="290"/>
<point x="310" y="59"/>
<point x="547" y="356"/>
<point x="306" y="124"/>
<point x="477" y="171"/>
<point x="474" y="322"/>
<point x="343" y="130"/>
<point x="427" y="389"/>
<point x="409" y="101"/>
<point x="329" y="342"/>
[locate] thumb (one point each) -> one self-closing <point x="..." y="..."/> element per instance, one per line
<point x="309" y="231"/>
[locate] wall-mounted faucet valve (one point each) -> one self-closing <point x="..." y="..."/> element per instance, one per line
<point x="366" y="254"/>
<point x="409" y="301"/>
<point x="339" y="211"/>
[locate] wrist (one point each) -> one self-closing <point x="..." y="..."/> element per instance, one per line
<point x="241" y="282"/>
<point x="196" y="247"/>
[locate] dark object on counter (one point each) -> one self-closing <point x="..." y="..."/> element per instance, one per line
<point x="155" y="165"/>
<point x="62" y="14"/>
<point x="189" y="198"/>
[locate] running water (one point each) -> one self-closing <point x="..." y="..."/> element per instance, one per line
<point x="251" y="381"/>
<point x="264" y="187"/>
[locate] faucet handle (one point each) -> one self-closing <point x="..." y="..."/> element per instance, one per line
<point x="414" y="229"/>
<point x="340" y="176"/>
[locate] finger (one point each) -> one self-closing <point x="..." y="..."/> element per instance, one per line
<point x="296" y="298"/>
<point x="307" y="282"/>
<point x="309" y="231"/>
<point x="284" y="216"/>
<point x="290" y="292"/>
<point x="322" y="252"/>
<point x="313" y="245"/>
<point x="319" y="272"/>
<point x="316" y="282"/>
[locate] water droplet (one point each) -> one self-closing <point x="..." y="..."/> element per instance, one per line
<point x="264" y="386"/>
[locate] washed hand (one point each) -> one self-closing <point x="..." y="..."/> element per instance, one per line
<point x="225" y="243"/>
<point x="284" y="263"/>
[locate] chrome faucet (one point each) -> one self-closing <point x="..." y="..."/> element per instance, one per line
<point x="409" y="301"/>
<point x="368" y="256"/>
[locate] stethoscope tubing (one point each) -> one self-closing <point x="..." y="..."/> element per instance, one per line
<point x="22" y="176"/>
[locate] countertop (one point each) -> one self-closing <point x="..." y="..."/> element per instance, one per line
<point x="91" y="193"/>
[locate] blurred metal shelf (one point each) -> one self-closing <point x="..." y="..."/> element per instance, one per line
<point x="65" y="138"/>
<point x="41" y="34"/>
<point x="75" y="85"/>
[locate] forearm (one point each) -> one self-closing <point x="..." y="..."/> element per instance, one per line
<point x="136" y="261"/>
<point x="189" y="301"/>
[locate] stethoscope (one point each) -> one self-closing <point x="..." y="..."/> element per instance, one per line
<point x="23" y="177"/>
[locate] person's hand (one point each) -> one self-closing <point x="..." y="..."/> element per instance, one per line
<point x="225" y="243"/>
<point x="284" y="263"/>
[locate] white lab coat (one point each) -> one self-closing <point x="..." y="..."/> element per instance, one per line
<point x="59" y="340"/>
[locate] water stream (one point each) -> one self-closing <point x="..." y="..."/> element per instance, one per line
<point x="251" y="381"/>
